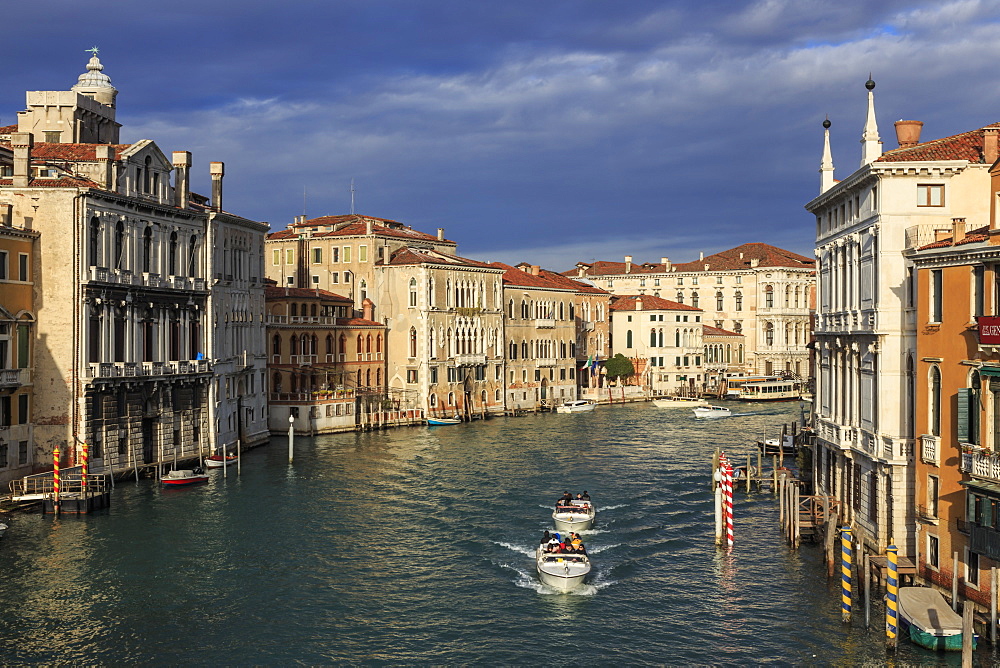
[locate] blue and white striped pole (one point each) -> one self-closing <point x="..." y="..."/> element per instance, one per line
<point x="845" y="574"/>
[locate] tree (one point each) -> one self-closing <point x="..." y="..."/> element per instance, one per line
<point x="619" y="367"/>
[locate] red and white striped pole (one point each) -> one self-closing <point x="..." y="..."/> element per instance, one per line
<point x="727" y="481"/>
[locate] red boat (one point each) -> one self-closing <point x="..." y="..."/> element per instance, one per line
<point x="217" y="461"/>
<point x="182" y="477"/>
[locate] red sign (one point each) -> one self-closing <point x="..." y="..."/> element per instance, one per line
<point x="989" y="330"/>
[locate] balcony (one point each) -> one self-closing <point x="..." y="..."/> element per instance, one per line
<point x="980" y="462"/>
<point x="985" y="541"/>
<point x="545" y="323"/>
<point x="11" y="378"/>
<point x="107" y="370"/>
<point x="470" y="359"/>
<point x="587" y="325"/>
<point x="930" y="449"/>
<point x="303" y="360"/>
<point x="546" y="361"/>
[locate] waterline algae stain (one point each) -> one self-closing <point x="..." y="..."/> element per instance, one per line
<point x="416" y="545"/>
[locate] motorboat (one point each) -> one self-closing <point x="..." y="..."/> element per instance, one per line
<point x="577" y="515"/>
<point x="774" y="446"/>
<point x="218" y="461"/>
<point x="578" y="406"/>
<point x="435" y="422"/>
<point x="679" y="402"/>
<point x="560" y="570"/>
<point x="930" y="620"/>
<point x="182" y="477"/>
<point x="712" y="412"/>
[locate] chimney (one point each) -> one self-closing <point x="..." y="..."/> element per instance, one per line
<point x="369" y="227"/>
<point x="701" y="256"/>
<point x="367" y="308"/>
<point x="990" y="152"/>
<point x="754" y="262"/>
<point x="638" y="303"/>
<point x="440" y="234"/>
<point x="957" y="230"/>
<point x="741" y="255"/>
<point x="21" y="142"/>
<point x="217" y="171"/>
<point x="666" y="263"/>
<point x="628" y="264"/>
<point x="535" y="269"/>
<point x="105" y="155"/>
<point x="580" y="271"/>
<point x="182" y="178"/>
<point x="908" y="133"/>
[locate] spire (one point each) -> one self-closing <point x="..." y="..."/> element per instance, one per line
<point x="826" y="164"/>
<point x="871" y="145"/>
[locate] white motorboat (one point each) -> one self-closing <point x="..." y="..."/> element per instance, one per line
<point x="712" y="412"/>
<point x="578" y="515"/>
<point x="183" y="477"/>
<point x="679" y="402"/>
<point x="579" y="406"/>
<point x="218" y="461"/>
<point x="561" y="571"/>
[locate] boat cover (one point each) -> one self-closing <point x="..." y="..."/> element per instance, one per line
<point x="926" y="609"/>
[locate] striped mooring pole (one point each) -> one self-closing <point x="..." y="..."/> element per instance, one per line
<point x="83" y="469"/>
<point x="892" y="597"/>
<point x="845" y="574"/>
<point x="55" y="480"/>
<point x="727" y="478"/>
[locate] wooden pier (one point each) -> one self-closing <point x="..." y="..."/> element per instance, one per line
<point x="77" y="495"/>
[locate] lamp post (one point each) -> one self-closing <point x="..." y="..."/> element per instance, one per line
<point x="291" y="436"/>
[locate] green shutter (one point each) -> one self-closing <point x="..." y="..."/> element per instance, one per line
<point x="22" y="346"/>
<point x="970" y="510"/>
<point x="987" y="512"/>
<point x="964" y="398"/>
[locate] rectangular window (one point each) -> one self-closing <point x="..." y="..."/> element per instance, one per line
<point x="22" y="409"/>
<point x="289" y="256"/>
<point x="432" y="374"/>
<point x="276" y="257"/>
<point x="932" y="551"/>
<point x="3" y="265"/>
<point x="317" y="256"/>
<point x="334" y="254"/>
<point x="334" y="277"/>
<point x="22" y="267"/>
<point x="347" y="253"/>
<point x="362" y="253"/>
<point x="978" y="290"/>
<point x="411" y="375"/>
<point x="930" y="194"/>
<point x="22" y="453"/>
<point x="936" y="297"/>
<point x="3" y="455"/>
<point x="971" y="568"/>
<point x="933" y="487"/>
<point x="52" y="136"/>
<point x="315" y="280"/>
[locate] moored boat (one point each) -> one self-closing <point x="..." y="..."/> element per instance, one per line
<point x="218" y="461"/>
<point x="712" y="412"/>
<point x="182" y="477"/>
<point x="436" y="422"/>
<point x="774" y="446"/>
<point x="560" y="570"/>
<point x="930" y="620"/>
<point x="578" y="406"/>
<point x="679" y="402"/>
<point x="577" y="515"/>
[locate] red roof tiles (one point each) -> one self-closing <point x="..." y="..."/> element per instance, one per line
<point x="978" y="235"/>
<point x="649" y="303"/>
<point x="734" y="259"/>
<point x="274" y="292"/>
<point x="708" y="330"/>
<point x="354" y="225"/>
<point x="965" y="146"/>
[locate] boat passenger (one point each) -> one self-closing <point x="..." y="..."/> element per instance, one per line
<point x="565" y="499"/>
<point x="585" y="496"/>
<point x="545" y="537"/>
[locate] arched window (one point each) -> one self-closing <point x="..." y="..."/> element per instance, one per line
<point x="652" y="338"/>
<point x="739" y="359"/>
<point x="276" y="383"/>
<point x="293" y="345"/>
<point x="368" y="343"/>
<point x="192" y="255"/>
<point x="788" y="296"/>
<point x="94" y="250"/>
<point x="312" y="310"/>
<point x="378" y="377"/>
<point x="680" y="297"/>
<point x="739" y="301"/>
<point x="510" y="309"/>
<point x="329" y="344"/>
<point x="413" y="342"/>
<point x="718" y="301"/>
<point x="172" y="254"/>
<point x="934" y="400"/>
<point x="677" y="338"/>
<point x="513" y="350"/>
<point x="119" y="245"/>
<point x="975" y="385"/>
<point x="524" y="350"/>
<point x="451" y="398"/>
<point x="628" y="338"/>
<point x="768" y="297"/>
<point x="295" y="310"/>
<point x="413" y="292"/>
<point x="361" y="349"/>
<point x="694" y="299"/>
<point x="313" y="344"/>
<point x="378" y="343"/>
<point x="343" y="344"/>
<point x="434" y="400"/>
<point x="276" y="345"/>
<point x="769" y="334"/>
<point x="363" y="290"/>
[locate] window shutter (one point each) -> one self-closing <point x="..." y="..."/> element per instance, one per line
<point x="964" y="399"/>
<point x="970" y="509"/>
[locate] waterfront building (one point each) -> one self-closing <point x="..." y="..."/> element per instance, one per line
<point x="17" y="333"/>
<point x="760" y="291"/>
<point x="443" y="313"/>
<point x="866" y="313"/>
<point x="539" y="331"/>
<point x="663" y="339"/>
<point x="326" y="367"/>
<point x="593" y="330"/>
<point x="148" y="330"/>
<point x="725" y="355"/>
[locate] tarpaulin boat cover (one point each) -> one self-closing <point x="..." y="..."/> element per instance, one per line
<point x="926" y="609"/>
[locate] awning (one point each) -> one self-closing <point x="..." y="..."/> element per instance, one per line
<point x="984" y="486"/>
<point x="992" y="371"/>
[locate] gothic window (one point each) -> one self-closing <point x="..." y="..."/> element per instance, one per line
<point x="119" y="244"/>
<point x="768" y="297"/>
<point x="95" y="242"/>
<point x="694" y="299"/>
<point x="413" y="342"/>
<point x="718" y="301"/>
<point x="739" y="301"/>
<point x="769" y="334"/>
<point x="172" y="254"/>
<point x="192" y="255"/>
<point x="680" y="297"/>
<point x="413" y="292"/>
<point x="276" y="345"/>
<point x="934" y="409"/>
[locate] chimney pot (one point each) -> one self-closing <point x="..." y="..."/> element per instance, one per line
<point x="535" y="269"/>
<point x="957" y="230"/>
<point x="440" y="234"/>
<point x="628" y="264"/>
<point x="217" y="170"/>
<point x="182" y="178"/>
<point x="908" y="133"/>
<point x="21" y="142"/>
<point x="701" y="256"/>
<point x="990" y="152"/>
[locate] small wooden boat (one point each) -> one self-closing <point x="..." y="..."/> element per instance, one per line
<point x="218" y="461"/>
<point x="930" y="620"/>
<point x="712" y="412"/>
<point x="773" y="446"/>
<point x="579" y="406"/>
<point x="435" y="422"/>
<point x="578" y="515"/>
<point x="182" y="477"/>
<point x="561" y="571"/>
<point x="679" y="402"/>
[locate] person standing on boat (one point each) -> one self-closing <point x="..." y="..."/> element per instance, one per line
<point x="585" y="496"/>
<point x="546" y="537"/>
<point x="565" y="500"/>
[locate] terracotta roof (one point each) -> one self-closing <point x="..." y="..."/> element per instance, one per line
<point x="975" y="236"/>
<point x="965" y="146"/>
<point x="360" y="322"/>
<point x="274" y="292"/>
<point x="64" y="182"/>
<point x="649" y="303"/>
<point x="572" y="284"/>
<point x="708" y="330"/>
<point x="72" y="152"/>
<point x="521" y="278"/>
<point x="354" y="225"/>
<point x="405" y="256"/>
<point x="8" y="129"/>
<point x="727" y="260"/>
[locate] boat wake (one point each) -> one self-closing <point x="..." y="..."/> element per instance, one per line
<point x="620" y="505"/>
<point x="526" y="551"/>
<point x="602" y="548"/>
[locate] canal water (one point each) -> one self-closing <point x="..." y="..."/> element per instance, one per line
<point x="415" y="545"/>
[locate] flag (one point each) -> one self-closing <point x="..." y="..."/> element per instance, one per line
<point x="589" y="360"/>
<point x="593" y="367"/>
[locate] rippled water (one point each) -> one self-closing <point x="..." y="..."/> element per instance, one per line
<point x="416" y="545"/>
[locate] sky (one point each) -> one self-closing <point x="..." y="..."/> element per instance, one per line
<point x="543" y="131"/>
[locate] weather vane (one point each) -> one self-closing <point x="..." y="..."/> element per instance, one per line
<point x="94" y="50"/>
